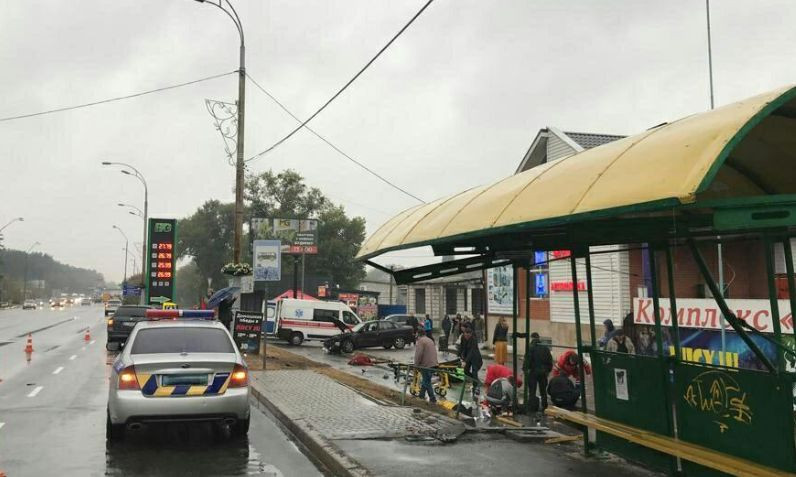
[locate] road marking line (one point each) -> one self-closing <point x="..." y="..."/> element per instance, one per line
<point x="72" y="357"/>
<point x="2" y="424"/>
<point x="83" y="348"/>
<point x="58" y="370"/>
<point x="35" y="391"/>
<point x="92" y="342"/>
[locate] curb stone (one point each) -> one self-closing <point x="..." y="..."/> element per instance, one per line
<point x="331" y="457"/>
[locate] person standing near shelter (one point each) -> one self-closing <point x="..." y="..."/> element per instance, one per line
<point x="478" y="328"/>
<point x="446" y="327"/>
<point x="426" y="357"/>
<point x="500" y="341"/>
<point x="608" y="333"/>
<point x="620" y="343"/>
<point x="457" y="327"/>
<point x="428" y="326"/>
<point x="470" y="356"/>
<point x="412" y="321"/>
<point x="538" y="364"/>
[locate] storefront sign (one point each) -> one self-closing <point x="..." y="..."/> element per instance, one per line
<point x="500" y="290"/>
<point x="322" y="290"/>
<point x="247" y="331"/>
<point x="561" y="253"/>
<point x="560" y="286"/>
<point x="350" y="299"/>
<point x="703" y="313"/>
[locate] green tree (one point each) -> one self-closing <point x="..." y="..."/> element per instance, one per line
<point x="285" y="195"/>
<point x="191" y="285"/>
<point x="206" y="236"/>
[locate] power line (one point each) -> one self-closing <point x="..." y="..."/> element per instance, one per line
<point x="110" y="100"/>
<point x="304" y="123"/>
<point x="340" y="151"/>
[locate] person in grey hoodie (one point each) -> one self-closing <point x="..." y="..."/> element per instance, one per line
<point x="426" y="357"/>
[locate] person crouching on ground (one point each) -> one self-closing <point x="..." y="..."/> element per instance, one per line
<point x="426" y="357"/>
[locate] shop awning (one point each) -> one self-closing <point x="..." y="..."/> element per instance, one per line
<point x="742" y="150"/>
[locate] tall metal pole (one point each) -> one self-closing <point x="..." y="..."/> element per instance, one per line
<point x="137" y="174"/>
<point x="126" y="243"/>
<point x="239" y="169"/>
<point x="25" y="275"/>
<point x="719" y="251"/>
<point x="239" y="162"/>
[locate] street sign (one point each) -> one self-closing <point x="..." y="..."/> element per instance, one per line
<point x="161" y="260"/>
<point x="131" y="291"/>
<point x="159" y="299"/>
<point x="267" y="260"/>
<point x="247" y="331"/>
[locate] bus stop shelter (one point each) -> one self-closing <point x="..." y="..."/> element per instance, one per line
<point x="723" y="175"/>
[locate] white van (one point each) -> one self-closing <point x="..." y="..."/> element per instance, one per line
<point x="299" y="320"/>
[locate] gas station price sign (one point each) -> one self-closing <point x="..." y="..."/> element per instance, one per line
<point x="161" y="269"/>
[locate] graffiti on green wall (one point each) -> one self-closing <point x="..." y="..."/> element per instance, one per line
<point x="719" y="394"/>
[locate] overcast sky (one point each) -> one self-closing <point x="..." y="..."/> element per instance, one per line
<point x="454" y="103"/>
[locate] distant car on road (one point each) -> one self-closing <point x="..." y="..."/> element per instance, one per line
<point x="400" y="320"/>
<point x="57" y="304"/>
<point x="122" y="322"/>
<point x="29" y="305"/>
<point x="85" y="301"/>
<point x="178" y="370"/>
<point x="111" y="306"/>
<point x="370" y="334"/>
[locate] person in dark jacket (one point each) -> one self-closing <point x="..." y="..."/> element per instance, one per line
<point x="446" y="327"/>
<point x="470" y="355"/>
<point x="412" y="321"/>
<point x="537" y="366"/>
<point x="609" y="332"/>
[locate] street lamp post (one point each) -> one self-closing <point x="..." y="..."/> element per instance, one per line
<point x="17" y="219"/>
<point x="25" y="275"/>
<point x="126" y="243"/>
<point x="238" y="233"/>
<point x="137" y="174"/>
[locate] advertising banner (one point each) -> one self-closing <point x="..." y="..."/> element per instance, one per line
<point x="267" y="260"/>
<point x="500" y="290"/>
<point x="703" y="313"/>
<point x="298" y="236"/>
<point x="247" y="331"/>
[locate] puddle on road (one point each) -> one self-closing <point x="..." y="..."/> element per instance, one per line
<point x="185" y="449"/>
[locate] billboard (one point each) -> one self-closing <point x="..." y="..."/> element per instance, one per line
<point x="298" y="236"/>
<point x="500" y="290"/>
<point x="705" y="314"/>
<point x="161" y="260"/>
<point x="267" y="260"/>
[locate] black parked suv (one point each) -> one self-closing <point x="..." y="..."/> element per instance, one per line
<point x="122" y="321"/>
<point x="400" y="320"/>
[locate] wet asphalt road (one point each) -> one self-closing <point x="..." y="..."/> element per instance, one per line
<point x="52" y="412"/>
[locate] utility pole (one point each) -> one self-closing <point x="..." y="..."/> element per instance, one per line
<point x="719" y="250"/>
<point x="229" y="10"/>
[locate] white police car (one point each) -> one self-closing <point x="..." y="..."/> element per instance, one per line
<point x="178" y="369"/>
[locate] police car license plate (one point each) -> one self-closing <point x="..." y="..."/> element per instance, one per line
<point x="129" y="323"/>
<point x="185" y="379"/>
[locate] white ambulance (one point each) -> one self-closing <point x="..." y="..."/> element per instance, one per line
<point x="299" y="320"/>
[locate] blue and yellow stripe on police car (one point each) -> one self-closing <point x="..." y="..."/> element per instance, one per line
<point x="149" y="386"/>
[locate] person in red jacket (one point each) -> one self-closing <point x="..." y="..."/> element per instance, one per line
<point x="567" y="365"/>
<point x="497" y="371"/>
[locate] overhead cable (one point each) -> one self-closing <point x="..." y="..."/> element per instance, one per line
<point x="345" y="86"/>
<point x="118" y="98"/>
<point x="339" y="151"/>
